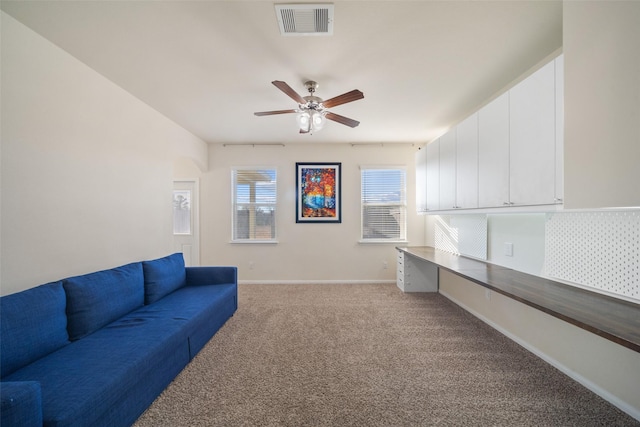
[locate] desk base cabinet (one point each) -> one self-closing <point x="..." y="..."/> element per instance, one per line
<point x="416" y="275"/>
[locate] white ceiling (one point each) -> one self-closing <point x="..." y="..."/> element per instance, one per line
<point x="208" y="65"/>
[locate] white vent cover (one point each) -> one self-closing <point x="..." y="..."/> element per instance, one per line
<point x="305" y="19"/>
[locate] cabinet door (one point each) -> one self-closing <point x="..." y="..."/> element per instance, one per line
<point x="467" y="163"/>
<point x="493" y="153"/>
<point x="559" y="193"/>
<point x="421" y="180"/>
<point x="448" y="170"/>
<point x="532" y="139"/>
<point x="433" y="175"/>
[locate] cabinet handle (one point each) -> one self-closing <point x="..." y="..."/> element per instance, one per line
<point x="557" y="200"/>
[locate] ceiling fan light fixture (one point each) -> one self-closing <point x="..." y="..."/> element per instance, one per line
<point x="310" y="120"/>
<point x="317" y="120"/>
<point x="304" y="121"/>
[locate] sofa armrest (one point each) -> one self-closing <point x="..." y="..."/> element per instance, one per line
<point x="20" y="404"/>
<point x="211" y="275"/>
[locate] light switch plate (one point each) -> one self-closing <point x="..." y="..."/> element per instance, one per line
<point x="508" y="249"/>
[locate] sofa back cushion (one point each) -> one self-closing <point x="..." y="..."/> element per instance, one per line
<point x="33" y="324"/>
<point x="163" y="276"/>
<point x="97" y="299"/>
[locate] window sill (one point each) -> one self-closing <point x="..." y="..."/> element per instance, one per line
<point x="378" y="241"/>
<point x="250" y="241"/>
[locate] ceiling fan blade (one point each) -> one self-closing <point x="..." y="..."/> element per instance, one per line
<point x="354" y="95"/>
<point x="271" y="113"/>
<point x="342" y="119"/>
<point x="289" y="91"/>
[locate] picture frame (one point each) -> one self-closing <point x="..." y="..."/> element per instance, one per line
<point x="318" y="192"/>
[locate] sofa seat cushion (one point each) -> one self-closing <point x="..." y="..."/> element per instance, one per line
<point x="128" y="362"/>
<point x="97" y="299"/>
<point x="20" y="404"/>
<point x="33" y="325"/>
<point x="163" y="276"/>
<point x="89" y="377"/>
<point x="205" y="308"/>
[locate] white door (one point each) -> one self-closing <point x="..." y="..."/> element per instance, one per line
<point x="186" y="233"/>
<point x="448" y="170"/>
<point x="467" y="163"/>
<point x="421" y="180"/>
<point x="532" y="139"/>
<point x="433" y="175"/>
<point x="493" y="153"/>
<point x="559" y="129"/>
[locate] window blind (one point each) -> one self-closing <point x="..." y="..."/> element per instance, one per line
<point x="254" y="204"/>
<point x="384" y="204"/>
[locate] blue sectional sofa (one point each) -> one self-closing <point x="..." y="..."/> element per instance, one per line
<point x="97" y="349"/>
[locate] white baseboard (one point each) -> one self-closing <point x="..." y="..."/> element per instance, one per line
<point x="632" y="411"/>
<point x="314" y="282"/>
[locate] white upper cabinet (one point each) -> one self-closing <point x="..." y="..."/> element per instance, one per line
<point x="448" y="170"/>
<point x="421" y="180"/>
<point x="559" y="190"/>
<point x="509" y="153"/>
<point x="433" y="175"/>
<point x="493" y="153"/>
<point x="467" y="163"/>
<point x="532" y="139"/>
<point x="452" y="168"/>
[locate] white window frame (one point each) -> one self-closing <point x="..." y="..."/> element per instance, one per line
<point x="402" y="205"/>
<point x="234" y="204"/>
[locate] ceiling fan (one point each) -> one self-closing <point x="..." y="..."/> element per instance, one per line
<point x="312" y="111"/>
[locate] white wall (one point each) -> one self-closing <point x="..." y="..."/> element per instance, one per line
<point x="602" y="103"/>
<point x="305" y="252"/>
<point x="526" y="232"/>
<point x="86" y="167"/>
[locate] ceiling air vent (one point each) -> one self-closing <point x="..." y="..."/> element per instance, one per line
<point x="305" y="19"/>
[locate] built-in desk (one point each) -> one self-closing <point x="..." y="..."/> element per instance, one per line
<point x="611" y="318"/>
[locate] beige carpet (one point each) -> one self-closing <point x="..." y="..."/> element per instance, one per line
<point x="368" y="355"/>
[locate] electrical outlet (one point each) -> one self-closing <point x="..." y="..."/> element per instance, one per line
<point x="487" y="294"/>
<point x="385" y="265"/>
<point x="508" y="249"/>
<point x="251" y="265"/>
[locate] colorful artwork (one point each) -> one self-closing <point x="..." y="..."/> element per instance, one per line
<point x="318" y="192"/>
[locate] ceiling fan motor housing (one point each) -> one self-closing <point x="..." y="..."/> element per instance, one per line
<point x="313" y="103"/>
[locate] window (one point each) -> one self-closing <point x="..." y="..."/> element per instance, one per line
<point x="182" y="212"/>
<point x="384" y="204"/>
<point x="254" y="205"/>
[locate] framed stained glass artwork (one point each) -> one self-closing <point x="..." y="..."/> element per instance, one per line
<point x="318" y="193"/>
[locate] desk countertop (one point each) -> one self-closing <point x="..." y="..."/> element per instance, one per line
<point x="609" y="317"/>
